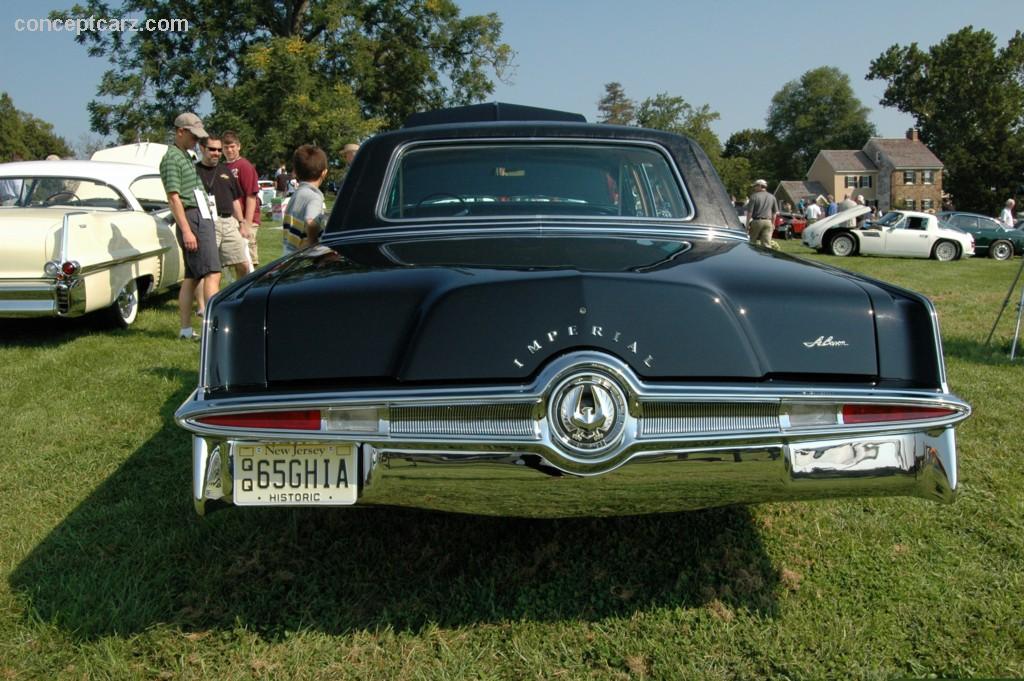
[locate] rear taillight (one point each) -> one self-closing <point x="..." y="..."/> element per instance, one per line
<point x="796" y="415"/>
<point x="70" y="268"/>
<point x="884" y="413"/>
<point x="341" y="420"/>
<point x="267" y="420"/>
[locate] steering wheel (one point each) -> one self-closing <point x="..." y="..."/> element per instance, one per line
<point x="53" y="198"/>
<point x="439" y="195"/>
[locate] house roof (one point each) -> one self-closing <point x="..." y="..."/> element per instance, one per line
<point x="842" y="160"/>
<point x="905" y="153"/>
<point x="799" y="189"/>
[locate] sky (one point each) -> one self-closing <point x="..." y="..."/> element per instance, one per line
<point x="731" y="55"/>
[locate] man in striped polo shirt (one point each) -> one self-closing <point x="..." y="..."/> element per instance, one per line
<point x="195" y="233"/>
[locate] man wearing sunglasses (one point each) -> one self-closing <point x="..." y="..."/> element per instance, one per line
<point x="232" y="236"/>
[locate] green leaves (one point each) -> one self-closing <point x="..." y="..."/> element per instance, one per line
<point x="306" y="64"/>
<point x="818" y="111"/>
<point x="25" y="135"/>
<point x="967" y="98"/>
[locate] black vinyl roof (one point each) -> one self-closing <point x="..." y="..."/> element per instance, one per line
<point x="494" y="111"/>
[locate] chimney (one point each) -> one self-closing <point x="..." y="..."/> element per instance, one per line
<point x="912" y="135"/>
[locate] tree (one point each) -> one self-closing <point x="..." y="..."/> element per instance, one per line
<point x="757" y="149"/>
<point x="280" y="104"/>
<point x="615" y="107"/>
<point x="24" y="135"/>
<point x="818" y="111"/>
<point x="674" y="114"/>
<point x="967" y="99"/>
<point x="391" y="57"/>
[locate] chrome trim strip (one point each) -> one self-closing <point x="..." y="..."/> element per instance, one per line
<point x="631" y="443"/>
<point x="107" y="264"/>
<point x="401" y="149"/>
<point x="28" y="308"/>
<point x="26" y="286"/>
<point x="65" y="234"/>
<point x="689" y="232"/>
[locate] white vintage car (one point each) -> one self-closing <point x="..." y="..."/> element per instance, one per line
<point x="899" y="232"/>
<point x="82" y="236"/>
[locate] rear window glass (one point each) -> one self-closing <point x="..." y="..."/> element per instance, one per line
<point x="469" y="181"/>
<point x="149" y="191"/>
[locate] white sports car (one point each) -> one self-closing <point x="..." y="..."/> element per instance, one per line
<point x="80" y="236"/>
<point x="899" y="232"/>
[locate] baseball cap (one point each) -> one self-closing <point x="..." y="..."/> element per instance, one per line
<point x="350" y="147"/>
<point x="760" y="183"/>
<point x="192" y="123"/>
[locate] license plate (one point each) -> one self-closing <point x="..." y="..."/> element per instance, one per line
<point x="291" y="474"/>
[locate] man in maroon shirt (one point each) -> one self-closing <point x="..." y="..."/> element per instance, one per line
<point x="249" y="181"/>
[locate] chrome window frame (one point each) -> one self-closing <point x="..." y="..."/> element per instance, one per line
<point x="400" y="151"/>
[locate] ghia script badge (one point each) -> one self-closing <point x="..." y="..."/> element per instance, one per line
<point x="587" y="413"/>
<point x="822" y="342"/>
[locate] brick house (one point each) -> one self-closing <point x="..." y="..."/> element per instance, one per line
<point x="889" y="173"/>
<point x="909" y="174"/>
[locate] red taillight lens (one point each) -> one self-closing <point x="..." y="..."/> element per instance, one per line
<point x="880" y="413"/>
<point x="69" y="268"/>
<point x="268" y="420"/>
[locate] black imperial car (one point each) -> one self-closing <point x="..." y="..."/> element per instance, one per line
<point x="515" y="312"/>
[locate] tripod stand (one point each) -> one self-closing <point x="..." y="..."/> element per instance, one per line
<point x="1020" y="311"/>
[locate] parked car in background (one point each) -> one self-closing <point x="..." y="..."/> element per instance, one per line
<point x="83" y="236"/>
<point x="141" y="153"/>
<point x="991" y="238"/>
<point x="741" y="213"/>
<point x="267" y="194"/>
<point x="515" y="312"/>
<point x="789" y="225"/>
<point x="897" y="233"/>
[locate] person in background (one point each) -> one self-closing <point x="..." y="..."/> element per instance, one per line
<point x="761" y="211"/>
<point x="1006" y="216"/>
<point x="846" y="204"/>
<point x="281" y="182"/>
<point x="10" y="188"/>
<point x="304" y="218"/>
<point x="232" y="238"/>
<point x="348" y="152"/>
<point x="249" y="182"/>
<point x="812" y="212"/>
<point x="859" y="201"/>
<point x="195" y="233"/>
<point x="833" y="207"/>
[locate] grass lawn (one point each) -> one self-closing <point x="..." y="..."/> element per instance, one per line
<point x="106" y="572"/>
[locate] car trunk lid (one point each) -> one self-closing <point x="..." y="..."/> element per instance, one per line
<point x="29" y="238"/>
<point x="498" y="307"/>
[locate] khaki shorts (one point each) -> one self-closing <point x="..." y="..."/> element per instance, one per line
<point x="230" y="243"/>
<point x="254" y="251"/>
<point x="760" y="231"/>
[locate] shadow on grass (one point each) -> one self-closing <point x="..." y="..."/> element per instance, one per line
<point x="974" y="350"/>
<point x="133" y="555"/>
<point x="48" y="332"/>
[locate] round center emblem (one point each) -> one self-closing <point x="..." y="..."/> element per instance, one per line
<point x="587" y="412"/>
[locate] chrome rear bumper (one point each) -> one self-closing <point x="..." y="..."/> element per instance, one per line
<point x="504" y="450"/>
<point x="41" y="299"/>
<point x="921" y="464"/>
